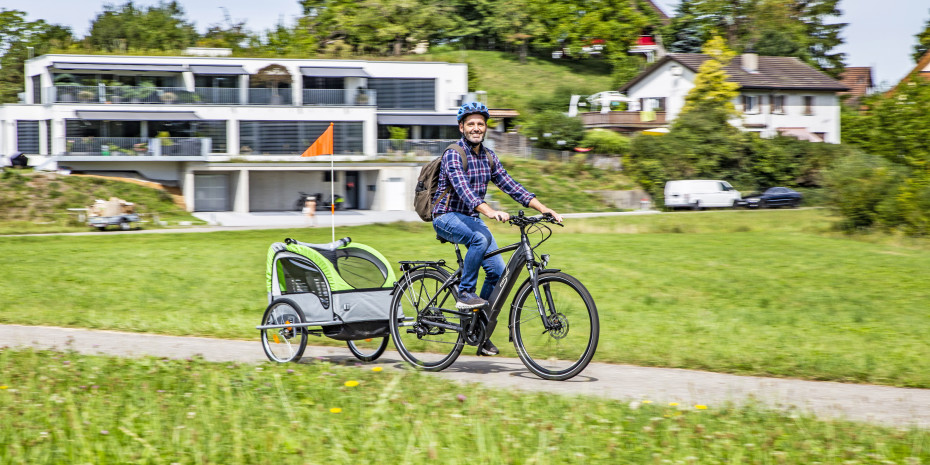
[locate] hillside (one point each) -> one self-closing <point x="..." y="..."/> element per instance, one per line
<point x="39" y="202"/>
<point x="510" y="84"/>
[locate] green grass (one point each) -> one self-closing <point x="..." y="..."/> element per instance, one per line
<point x="751" y="292"/>
<point x="59" y="407"/>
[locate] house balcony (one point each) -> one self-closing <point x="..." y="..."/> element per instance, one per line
<point x="205" y="96"/>
<point x="103" y="147"/>
<point x="339" y="97"/>
<point x="120" y="94"/>
<point x="625" y="121"/>
<point x="412" y="147"/>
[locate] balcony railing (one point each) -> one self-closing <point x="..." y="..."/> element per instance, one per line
<point x="120" y="94"/>
<point x="218" y="95"/>
<point x="631" y="119"/>
<point x="204" y="96"/>
<point x="415" y="147"/>
<point x="339" y="97"/>
<point x="270" y="97"/>
<point x="138" y="146"/>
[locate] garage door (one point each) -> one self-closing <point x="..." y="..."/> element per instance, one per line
<point x="211" y="192"/>
<point x="279" y="190"/>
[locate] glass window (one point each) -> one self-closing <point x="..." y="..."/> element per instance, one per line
<point x="750" y="104"/>
<point x="293" y="137"/>
<point x="27" y="136"/>
<point x="808" y="105"/>
<point x="777" y="104"/>
<point x="404" y="94"/>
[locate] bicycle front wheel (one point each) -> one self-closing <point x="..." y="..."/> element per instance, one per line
<point x="568" y="345"/>
<point x="417" y="311"/>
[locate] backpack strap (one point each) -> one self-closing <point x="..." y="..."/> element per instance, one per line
<point x="461" y="152"/>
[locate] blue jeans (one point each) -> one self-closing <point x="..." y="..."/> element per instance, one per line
<point x="475" y="235"/>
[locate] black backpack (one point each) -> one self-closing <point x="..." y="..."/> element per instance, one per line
<point x="428" y="182"/>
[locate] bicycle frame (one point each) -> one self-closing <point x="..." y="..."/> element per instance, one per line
<point x="522" y="257"/>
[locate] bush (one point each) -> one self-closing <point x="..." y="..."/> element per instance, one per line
<point x="606" y="142"/>
<point x="549" y="127"/>
<point x="858" y="184"/>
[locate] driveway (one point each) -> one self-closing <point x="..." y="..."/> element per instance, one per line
<point x="858" y="402"/>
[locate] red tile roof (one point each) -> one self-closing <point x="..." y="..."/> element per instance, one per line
<point x="858" y="79"/>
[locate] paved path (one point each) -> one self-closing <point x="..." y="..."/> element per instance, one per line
<point x="876" y="404"/>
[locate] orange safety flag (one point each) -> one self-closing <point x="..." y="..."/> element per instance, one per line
<point x="323" y="145"/>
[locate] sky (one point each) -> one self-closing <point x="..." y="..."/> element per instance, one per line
<point x="880" y="34"/>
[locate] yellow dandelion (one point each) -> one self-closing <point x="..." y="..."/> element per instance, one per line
<point x="700" y="407"/>
<point x="673" y="404"/>
<point x="376" y="369"/>
<point x="352" y="383"/>
<point x="647" y="401"/>
<point x="335" y="410"/>
<point x="4" y="387"/>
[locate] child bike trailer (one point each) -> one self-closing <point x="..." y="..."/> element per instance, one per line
<point x="341" y="290"/>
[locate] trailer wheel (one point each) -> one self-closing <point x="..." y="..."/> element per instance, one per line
<point x="125" y="225"/>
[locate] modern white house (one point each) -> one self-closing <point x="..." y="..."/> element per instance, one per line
<point x="229" y="132"/>
<point x="778" y="95"/>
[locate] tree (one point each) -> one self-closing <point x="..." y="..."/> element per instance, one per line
<point x="17" y="36"/>
<point x="160" y="27"/>
<point x="923" y="42"/>
<point x="712" y="90"/>
<point x="228" y="34"/>
<point x="798" y="28"/>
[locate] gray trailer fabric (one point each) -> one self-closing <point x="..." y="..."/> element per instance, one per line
<point x="364" y="305"/>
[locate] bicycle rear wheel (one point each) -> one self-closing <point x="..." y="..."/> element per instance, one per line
<point x="417" y="303"/>
<point x="368" y="349"/>
<point x="562" y="351"/>
<point x="283" y="344"/>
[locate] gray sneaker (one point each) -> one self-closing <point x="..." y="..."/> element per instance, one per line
<point x="469" y="300"/>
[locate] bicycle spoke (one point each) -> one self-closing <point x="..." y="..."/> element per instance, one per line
<point x="418" y="342"/>
<point x="562" y="344"/>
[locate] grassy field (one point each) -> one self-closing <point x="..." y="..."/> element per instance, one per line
<point x="59" y="407"/>
<point x="749" y="292"/>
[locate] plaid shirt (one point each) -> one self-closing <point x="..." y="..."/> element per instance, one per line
<point x="468" y="189"/>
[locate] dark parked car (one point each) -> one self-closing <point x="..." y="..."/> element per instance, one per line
<point x="773" y="197"/>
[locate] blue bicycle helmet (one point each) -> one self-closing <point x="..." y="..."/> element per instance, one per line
<point x="472" y="108"/>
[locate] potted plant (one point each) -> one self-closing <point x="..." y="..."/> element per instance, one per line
<point x="139" y="93"/>
<point x="168" y="97"/>
<point x="85" y="95"/>
<point x="272" y="75"/>
<point x="115" y="92"/>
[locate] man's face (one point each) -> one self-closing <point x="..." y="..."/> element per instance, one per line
<point x="474" y="128"/>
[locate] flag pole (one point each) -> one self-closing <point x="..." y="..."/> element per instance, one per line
<point x="332" y="191"/>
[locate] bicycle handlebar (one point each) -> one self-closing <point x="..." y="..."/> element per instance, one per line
<point x="521" y="220"/>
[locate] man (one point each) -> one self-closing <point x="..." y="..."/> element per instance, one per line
<point x="456" y="215"/>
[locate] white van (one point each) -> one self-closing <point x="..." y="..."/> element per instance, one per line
<point x="700" y="193"/>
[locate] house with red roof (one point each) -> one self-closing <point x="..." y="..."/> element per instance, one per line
<point x="777" y="95"/>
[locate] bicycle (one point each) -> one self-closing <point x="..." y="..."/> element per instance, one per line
<point x="553" y="322"/>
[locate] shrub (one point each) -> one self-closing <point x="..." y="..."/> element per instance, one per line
<point x="858" y="184"/>
<point x="606" y="142"/>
